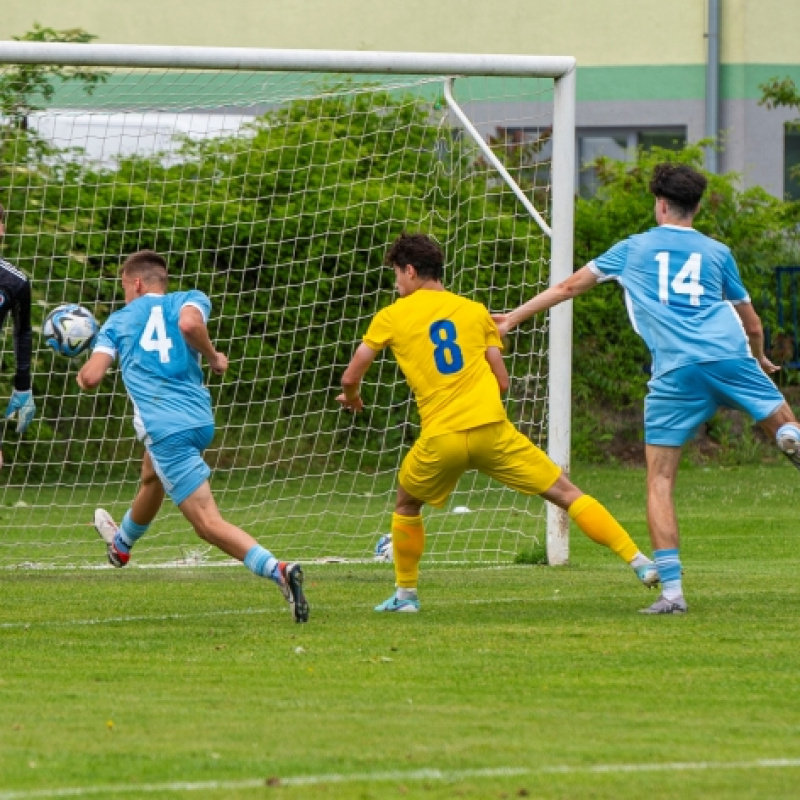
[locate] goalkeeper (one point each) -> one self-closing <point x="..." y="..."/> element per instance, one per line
<point x="686" y="300"/>
<point x="450" y="353"/>
<point x="158" y="338"/>
<point x="15" y="298"/>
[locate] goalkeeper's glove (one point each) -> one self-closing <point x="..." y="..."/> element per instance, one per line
<point x="21" y="404"/>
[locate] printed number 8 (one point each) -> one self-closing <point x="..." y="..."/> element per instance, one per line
<point x="446" y="353"/>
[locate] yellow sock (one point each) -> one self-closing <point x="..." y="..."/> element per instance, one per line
<point x="596" y="522"/>
<point x="408" y="542"/>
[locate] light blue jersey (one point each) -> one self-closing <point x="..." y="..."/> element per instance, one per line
<point x="680" y="288"/>
<point x="160" y="371"/>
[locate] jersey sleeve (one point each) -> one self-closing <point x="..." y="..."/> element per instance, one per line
<point x="492" y="336"/>
<point x="732" y="286"/>
<point x="379" y="333"/>
<point x="200" y="301"/>
<point x="611" y="264"/>
<point x="23" y="337"/>
<point x="106" y="341"/>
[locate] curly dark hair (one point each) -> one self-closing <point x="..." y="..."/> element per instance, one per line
<point x="419" y="250"/>
<point x="680" y="185"/>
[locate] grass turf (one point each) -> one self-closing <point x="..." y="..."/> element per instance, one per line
<point x="514" y="680"/>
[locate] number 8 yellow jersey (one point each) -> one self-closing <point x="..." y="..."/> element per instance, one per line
<point x="440" y="340"/>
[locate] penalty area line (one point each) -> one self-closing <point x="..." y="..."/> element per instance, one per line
<point x="446" y="776"/>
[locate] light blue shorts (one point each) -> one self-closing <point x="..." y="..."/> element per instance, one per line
<point x="178" y="461"/>
<point x="680" y="401"/>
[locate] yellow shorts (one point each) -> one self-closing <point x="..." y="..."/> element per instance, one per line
<point x="432" y="467"/>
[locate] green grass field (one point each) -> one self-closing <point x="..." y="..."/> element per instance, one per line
<point x="514" y="680"/>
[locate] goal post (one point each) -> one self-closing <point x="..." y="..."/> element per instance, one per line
<point x="274" y="181"/>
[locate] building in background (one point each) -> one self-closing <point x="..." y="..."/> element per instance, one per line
<point x="642" y="67"/>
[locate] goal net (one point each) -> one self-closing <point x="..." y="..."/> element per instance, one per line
<point x="276" y="190"/>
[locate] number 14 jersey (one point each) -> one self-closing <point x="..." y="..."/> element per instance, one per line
<point x="680" y="289"/>
<point x="160" y="371"/>
<point x="440" y="340"/>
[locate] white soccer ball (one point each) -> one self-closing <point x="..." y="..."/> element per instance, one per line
<point x="383" y="549"/>
<point x="70" y="329"/>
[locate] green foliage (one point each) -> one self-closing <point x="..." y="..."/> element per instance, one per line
<point x="285" y="227"/>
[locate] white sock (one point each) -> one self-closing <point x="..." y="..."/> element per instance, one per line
<point x="405" y="594"/>
<point x="639" y="560"/>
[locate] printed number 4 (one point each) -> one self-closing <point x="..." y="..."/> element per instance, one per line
<point x="687" y="281"/>
<point x="154" y="336"/>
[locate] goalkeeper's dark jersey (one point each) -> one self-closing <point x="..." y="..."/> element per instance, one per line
<point x="15" y="299"/>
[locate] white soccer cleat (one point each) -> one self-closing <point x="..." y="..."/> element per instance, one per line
<point x="664" y="606"/>
<point x="788" y="440"/>
<point x="107" y="529"/>
<point x="647" y="575"/>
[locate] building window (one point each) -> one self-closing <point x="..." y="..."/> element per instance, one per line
<point x="791" y="161"/>
<point x="619" y="144"/>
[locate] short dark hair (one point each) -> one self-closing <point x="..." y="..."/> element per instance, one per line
<point x="680" y="185"/>
<point x="147" y="265"/>
<point x="419" y="250"/>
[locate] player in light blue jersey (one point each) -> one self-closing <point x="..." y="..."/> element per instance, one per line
<point x="686" y="300"/>
<point x="158" y="338"/>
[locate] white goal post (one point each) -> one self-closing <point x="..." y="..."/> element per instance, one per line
<point x="274" y="180"/>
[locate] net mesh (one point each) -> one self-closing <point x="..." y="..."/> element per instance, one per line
<point x="277" y="194"/>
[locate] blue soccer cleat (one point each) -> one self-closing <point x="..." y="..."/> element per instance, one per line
<point x="408" y="605"/>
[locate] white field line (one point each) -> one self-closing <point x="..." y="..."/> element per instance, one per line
<point x="448" y="776"/>
<point x="234" y="612"/>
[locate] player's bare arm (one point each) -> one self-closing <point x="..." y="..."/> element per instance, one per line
<point x="350" y="398"/>
<point x="755" y="335"/>
<point x="577" y="284"/>
<point x="194" y="330"/>
<point x="495" y="358"/>
<point x="92" y="372"/>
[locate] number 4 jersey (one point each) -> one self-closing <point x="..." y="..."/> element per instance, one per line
<point x="440" y="340"/>
<point x="160" y="371"/>
<point x="680" y="288"/>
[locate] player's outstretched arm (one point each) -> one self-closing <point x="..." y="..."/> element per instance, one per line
<point x="751" y="323"/>
<point x="194" y="331"/>
<point x="350" y="398"/>
<point x="92" y="372"/>
<point x="581" y="281"/>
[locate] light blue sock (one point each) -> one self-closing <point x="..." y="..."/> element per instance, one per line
<point x="668" y="563"/>
<point x="129" y="533"/>
<point x="261" y="562"/>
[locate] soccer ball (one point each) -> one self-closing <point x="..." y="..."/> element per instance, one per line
<point x="70" y="329"/>
<point x="383" y="549"/>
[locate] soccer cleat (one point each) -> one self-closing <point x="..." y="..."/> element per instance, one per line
<point x="788" y="441"/>
<point x="664" y="606"/>
<point x="107" y="529"/>
<point x="647" y="574"/>
<point x="291" y="587"/>
<point x="409" y="605"/>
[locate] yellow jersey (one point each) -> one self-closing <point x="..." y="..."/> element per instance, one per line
<point x="440" y="340"/>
